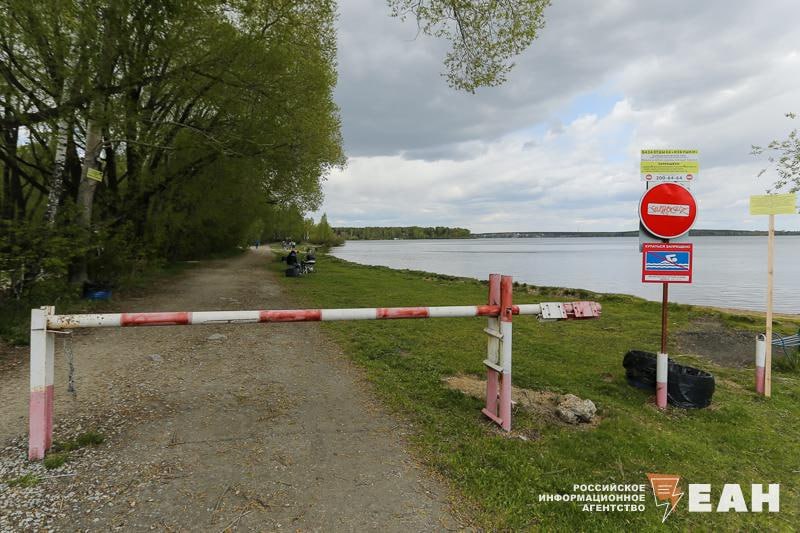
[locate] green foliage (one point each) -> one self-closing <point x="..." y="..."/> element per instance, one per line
<point x="410" y="232"/>
<point x="323" y="233"/>
<point x="739" y="439"/>
<point x="213" y="114"/>
<point x="784" y="156"/>
<point x="55" y="460"/>
<point x="26" y="481"/>
<point x="284" y="223"/>
<point x="32" y="252"/>
<point x="485" y="35"/>
<point x="216" y="118"/>
<point x="88" y="438"/>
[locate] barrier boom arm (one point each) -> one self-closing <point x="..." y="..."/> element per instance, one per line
<point x="45" y="323"/>
<point x="547" y="311"/>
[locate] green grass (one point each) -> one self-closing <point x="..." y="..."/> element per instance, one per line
<point x="742" y="438"/>
<point x="55" y="460"/>
<point x="88" y="438"/>
<point x="28" y="480"/>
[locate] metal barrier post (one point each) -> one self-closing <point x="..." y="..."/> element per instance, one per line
<point x="506" y="313"/>
<point x="41" y="394"/>
<point x="493" y="350"/>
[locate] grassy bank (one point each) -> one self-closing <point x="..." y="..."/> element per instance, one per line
<point x="741" y="438"/>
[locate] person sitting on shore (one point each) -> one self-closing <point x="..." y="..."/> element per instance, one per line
<point x="291" y="259"/>
<point x="307" y="265"/>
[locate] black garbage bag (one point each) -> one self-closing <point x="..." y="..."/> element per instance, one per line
<point x="93" y="290"/>
<point x="687" y="387"/>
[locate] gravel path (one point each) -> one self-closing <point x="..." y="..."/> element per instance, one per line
<point x="215" y="428"/>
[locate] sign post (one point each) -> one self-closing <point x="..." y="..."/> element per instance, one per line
<point x="665" y="263"/>
<point x="667" y="211"/>
<point x="771" y="204"/>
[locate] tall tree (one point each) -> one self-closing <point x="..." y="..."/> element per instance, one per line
<point x="485" y="34"/>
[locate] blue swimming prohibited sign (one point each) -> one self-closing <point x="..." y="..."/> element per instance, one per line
<point x="666" y="262"/>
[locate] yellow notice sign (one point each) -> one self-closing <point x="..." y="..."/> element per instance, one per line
<point x="669" y="165"/>
<point x="774" y="204"/>
<point x="94" y="174"/>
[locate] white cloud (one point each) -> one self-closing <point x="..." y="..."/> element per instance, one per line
<point x="557" y="147"/>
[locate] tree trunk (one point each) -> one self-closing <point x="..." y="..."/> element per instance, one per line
<point x="57" y="182"/>
<point x="11" y="182"/>
<point x="86" y="189"/>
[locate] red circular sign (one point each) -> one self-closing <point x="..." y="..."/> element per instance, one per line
<point x="667" y="210"/>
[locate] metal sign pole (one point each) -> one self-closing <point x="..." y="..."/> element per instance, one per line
<point x="662" y="359"/>
<point x="664" y="309"/>
<point x="666" y="212"/>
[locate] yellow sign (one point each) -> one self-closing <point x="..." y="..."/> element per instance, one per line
<point x="94" y="174"/>
<point x="773" y="204"/>
<point x="669" y="165"/>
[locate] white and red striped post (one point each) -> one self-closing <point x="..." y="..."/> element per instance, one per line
<point x="41" y="399"/>
<point x="506" y="312"/>
<point x="492" y="362"/>
<point x="662" y="371"/>
<point x="498" y="360"/>
<point x="761" y="360"/>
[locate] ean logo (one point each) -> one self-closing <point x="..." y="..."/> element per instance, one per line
<point x="665" y="492"/>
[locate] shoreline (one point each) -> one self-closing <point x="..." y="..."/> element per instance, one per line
<point x="729" y="310"/>
<point x="748" y="312"/>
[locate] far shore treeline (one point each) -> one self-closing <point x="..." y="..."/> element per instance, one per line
<point x="374" y="233"/>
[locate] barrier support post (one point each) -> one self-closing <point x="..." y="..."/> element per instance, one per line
<point x="506" y="313"/>
<point x="41" y="384"/>
<point x="493" y="350"/>
<point x="761" y="358"/>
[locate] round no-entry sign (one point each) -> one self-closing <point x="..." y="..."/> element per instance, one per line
<point x="667" y="210"/>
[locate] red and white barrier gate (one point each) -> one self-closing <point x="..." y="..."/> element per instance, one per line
<point x="500" y="309"/>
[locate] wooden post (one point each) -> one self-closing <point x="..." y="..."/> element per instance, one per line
<point x="770" y="271"/>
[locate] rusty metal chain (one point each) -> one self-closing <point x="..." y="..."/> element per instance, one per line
<point x="70" y="364"/>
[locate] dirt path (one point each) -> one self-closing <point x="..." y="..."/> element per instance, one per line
<point x="247" y="427"/>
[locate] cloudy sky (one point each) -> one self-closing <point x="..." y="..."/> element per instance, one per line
<point x="557" y="147"/>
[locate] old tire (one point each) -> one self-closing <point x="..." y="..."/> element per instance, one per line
<point x="687" y="387"/>
<point x="640" y="369"/>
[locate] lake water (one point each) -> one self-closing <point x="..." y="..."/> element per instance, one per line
<point x="728" y="271"/>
